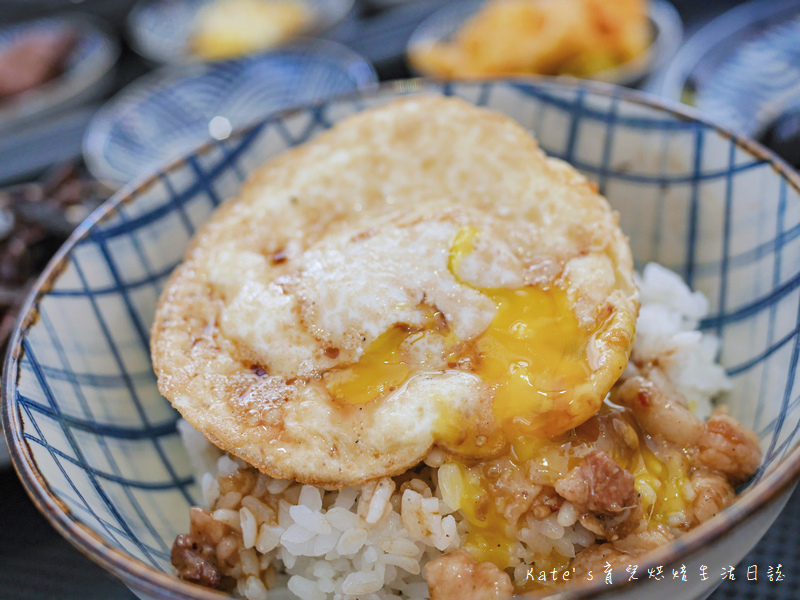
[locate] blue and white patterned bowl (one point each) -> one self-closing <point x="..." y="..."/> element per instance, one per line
<point x="95" y="443"/>
<point x="160" y="30"/>
<point x="741" y="67"/>
<point x="166" y="114"/>
<point x="87" y="72"/>
<point x="665" y="24"/>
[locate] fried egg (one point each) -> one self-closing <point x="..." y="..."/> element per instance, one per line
<point x="419" y="276"/>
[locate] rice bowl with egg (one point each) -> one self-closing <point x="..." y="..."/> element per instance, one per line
<point x="344" y="549"/>
<point x="658" y="210"/>
<point x="566" y="481"/>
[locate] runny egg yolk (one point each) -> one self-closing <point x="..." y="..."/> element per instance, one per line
<point x="534" y="356"/>
<point x="380" y="370"/>
<point x="660" y="476"/>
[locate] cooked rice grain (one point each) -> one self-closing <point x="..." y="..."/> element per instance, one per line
<point x="372" y="541"/>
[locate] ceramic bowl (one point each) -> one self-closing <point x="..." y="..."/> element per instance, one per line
<point x="166" y="114"/>
<point x="160" y="30"/>
<point x="96" y="445"/>
<point x="665" y="24"/>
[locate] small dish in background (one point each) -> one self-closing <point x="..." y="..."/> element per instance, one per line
<point x="741" y="67"/>
<point x="162" y="30"/>
<point x="35" y="219"/>
<point x="666" y="33"/>
<point x="85" y="72"/>
<point x="164" y="115"/>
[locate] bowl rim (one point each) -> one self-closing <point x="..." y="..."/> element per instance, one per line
<point x="139" y="576"/>
<point x="169" y="75"/>
<point x="142" y="46"/>
<point x="662" y="15"/>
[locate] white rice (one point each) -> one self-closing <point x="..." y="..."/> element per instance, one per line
<point x="667" y="330"/>
<point x="371" y="542"/>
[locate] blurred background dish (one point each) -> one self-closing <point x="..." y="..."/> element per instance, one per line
<point x="167" y="113"/>
<point x="389" y="3"/>
<point x="51" y="64"/>
<point x="619" y="41"/>
<point x="36" y="218"/>
<point x="226" y="29"/>
<point x="780" y="126"/>
<point x="741" y="68"/>
<point x="169" y="31"/>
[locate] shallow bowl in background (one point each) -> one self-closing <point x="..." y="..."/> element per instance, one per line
<point x="166" y="114"/>
<point x="665" y="25"/>
<point x="160" y="30"/>
<point x="740" y="68"/>
<point x="86" y="75"/>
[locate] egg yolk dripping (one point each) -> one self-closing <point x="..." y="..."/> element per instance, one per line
<point x="533" y="354"/>
<point x="661" y="476"/>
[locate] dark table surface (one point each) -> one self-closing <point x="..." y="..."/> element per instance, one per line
<point x="37" y="563"/>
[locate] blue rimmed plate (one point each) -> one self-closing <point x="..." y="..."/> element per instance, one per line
<point x="86" y="74"/>
<point x="665" y="25"/>
<point x="164" y="115"/>
<point x="740" y="68"/>
<point x="160" y="30"/>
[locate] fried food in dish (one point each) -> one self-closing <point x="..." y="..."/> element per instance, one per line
<point x="230" y="28"/>
<point x="545" y="37"/>
<point x="421" y="275"/>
